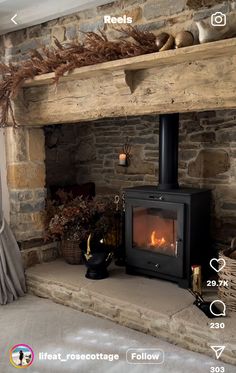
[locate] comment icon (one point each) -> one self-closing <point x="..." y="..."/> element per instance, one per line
<point x="218" y="308"/>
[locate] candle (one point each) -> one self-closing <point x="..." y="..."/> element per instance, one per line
<point x="122" y="159"/>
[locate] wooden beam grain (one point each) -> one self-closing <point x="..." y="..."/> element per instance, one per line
<point x="197" y="78"/>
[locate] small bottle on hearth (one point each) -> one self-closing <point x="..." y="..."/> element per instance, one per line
<point x="197" y="279"/>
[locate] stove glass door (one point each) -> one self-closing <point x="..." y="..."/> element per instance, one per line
<point x="155" y="229"/>
<point x="155" y="236"/>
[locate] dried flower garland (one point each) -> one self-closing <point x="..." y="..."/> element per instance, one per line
<point x="64" y="58"/>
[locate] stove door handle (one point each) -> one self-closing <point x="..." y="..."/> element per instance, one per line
<point x="159" y="198"/>
<point x="177" y="242"/>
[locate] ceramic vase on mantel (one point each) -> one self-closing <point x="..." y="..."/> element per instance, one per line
<point x="219" y="26"/>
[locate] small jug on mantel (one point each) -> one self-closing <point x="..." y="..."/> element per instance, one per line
<point x="209" y="32"/>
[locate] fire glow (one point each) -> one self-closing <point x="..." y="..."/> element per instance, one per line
<point x="158" y="242"/>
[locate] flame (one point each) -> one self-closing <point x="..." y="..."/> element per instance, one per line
<point x="157" y="241"/>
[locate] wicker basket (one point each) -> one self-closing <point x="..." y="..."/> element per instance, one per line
<point x="71" y="252"/>
<point x="228" y="273"/>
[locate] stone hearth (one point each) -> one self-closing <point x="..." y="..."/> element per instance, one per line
<point x="151" y="306"/>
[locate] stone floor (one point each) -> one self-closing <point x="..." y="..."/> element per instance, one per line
<point x="52" y="328"/>
<point x="155" y="307"/>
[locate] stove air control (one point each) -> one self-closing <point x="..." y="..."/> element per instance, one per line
<point x="154" y="264"/>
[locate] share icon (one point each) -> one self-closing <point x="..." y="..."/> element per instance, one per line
<point x="218" y="350"/>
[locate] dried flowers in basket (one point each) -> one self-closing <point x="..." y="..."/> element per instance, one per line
<point x="67" y="223"/>
<point x="74" y="220"/>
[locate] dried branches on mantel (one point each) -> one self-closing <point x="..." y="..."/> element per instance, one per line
<point x="64" y="58"/>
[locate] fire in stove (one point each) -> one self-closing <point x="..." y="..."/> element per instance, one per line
<point x="157" y="243"/>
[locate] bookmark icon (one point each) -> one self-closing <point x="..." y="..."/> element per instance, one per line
<point x="218" y="350"/>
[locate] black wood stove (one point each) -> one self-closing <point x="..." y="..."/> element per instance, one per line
<point x="167" y="227"/>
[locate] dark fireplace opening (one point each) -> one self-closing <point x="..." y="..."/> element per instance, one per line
<point x="167" y="227"/>
<point x="88" y="152"/>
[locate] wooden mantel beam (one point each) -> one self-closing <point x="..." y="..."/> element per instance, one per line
<point x="147" y="61"/>
<point x="197" y="78"/>
<point x="123" y="80"/>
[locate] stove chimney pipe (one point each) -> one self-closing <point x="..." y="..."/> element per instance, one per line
<point x="168" y="151"/>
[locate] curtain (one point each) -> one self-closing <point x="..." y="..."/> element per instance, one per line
<point x="12" y="278"/>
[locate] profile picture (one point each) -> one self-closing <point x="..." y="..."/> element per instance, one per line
<point x="21" y="356"/>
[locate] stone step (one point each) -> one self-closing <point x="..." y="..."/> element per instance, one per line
<point x="155" y="307"/>
<point x="38" y="254"/>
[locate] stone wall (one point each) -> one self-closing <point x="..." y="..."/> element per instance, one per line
<point x="41" y="253"/>
<point x="153" y="15"/>
<point x="86" y="152"/>
<point x="207" y="158"/>
<point x="26" y="181"/>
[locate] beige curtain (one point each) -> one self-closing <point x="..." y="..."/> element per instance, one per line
<point x="12" y="278"/>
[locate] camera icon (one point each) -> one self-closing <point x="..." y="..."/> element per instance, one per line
<point x="218" y="19"/>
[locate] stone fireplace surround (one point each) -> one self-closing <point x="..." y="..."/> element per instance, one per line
<point x="38" y="157"/>
<point x="120" y="99"/>
<point x="89" y="151"/>
<point x="99" y="106"/>
<point x="106" y="103"/>
<point x="207" y="157"/>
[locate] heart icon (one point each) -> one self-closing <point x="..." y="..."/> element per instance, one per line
<point x="217" y="264"/>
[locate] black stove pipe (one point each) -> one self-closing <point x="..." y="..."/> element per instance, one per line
<point x="168" y="151"/>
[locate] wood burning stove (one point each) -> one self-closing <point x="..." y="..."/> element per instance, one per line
<point x="167" y="227"/>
